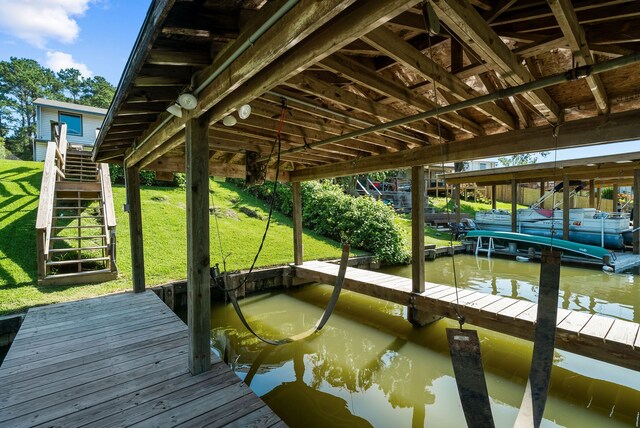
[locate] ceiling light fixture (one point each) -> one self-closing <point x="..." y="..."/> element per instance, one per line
<point x="229" y="120"/>
<point x="175" y="110"/>
<point x="244" y="111"/>
<point x="187" y="101"/>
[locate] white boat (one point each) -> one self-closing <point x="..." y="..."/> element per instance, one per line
<point x="586" y="225"/>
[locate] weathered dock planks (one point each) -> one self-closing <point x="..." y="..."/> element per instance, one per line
<point x="118" y="360"/>
<point x="592" y="335"/>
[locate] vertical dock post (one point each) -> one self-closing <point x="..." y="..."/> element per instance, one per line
<point x="636" y="211"/>
<point x="417" y="228"/>
<point x="614" y="198"/>
<point x="198" y="293"/>
<point x="456" y="192"/>
<point x="592" y="193"/>
<point x="135" y="227"/>
<point x="298" y="255"/>
<point x="493" y="196"/>
<point x="566" y="206"/>
<point x="416" y="316"/>
<point x="514" y="206"/>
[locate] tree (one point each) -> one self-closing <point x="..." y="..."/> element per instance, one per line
<point x="21" y="82"/>
<point x="72" y="83"/>
<point x="97" y="92"/>
<point x="521" y="159"/>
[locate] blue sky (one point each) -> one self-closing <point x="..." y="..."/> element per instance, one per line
<point x="94" y="36"/>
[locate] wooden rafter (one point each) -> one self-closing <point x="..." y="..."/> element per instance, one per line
<point x="391" y="45"/>
<point x="469" y="26"/>
<point x="371" y="79"/>
<point x="308" y="83"/>
<point x="575" y="36"/>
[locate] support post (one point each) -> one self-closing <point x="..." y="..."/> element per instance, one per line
<point x="542" y="189"/>
<point x="457" y="189"/>
<point x="493" y="196"/>
<point x="135" y="228"/>
<point x="198" y="293"/>
<point x="514" y="206"/>
<point x="298" y="255"/>
<point x="615" y="203"/>
<point x="592" y="193"/>
<point x="636" y="211"/>
<point x="599" y="197"/>
<point x="416" y="316"/>
<point x="417" y="228"/>
<point x="566" y="208"/>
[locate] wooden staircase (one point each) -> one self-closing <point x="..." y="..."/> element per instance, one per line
<point x="76" y="220"/>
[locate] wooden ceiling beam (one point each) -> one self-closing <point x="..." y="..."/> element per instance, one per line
<point x="609" y="128"/>
<point x="465" y="21"/>
<point x="369" y="78"/>
<point x="301" y="21"/>
<point x="575" y="36"/>
<point x="182" y="57"/>
<point x="393" y="46"/>
<point x="498" y="9"/>
<point x="307" y="83"/>
<point x="177" y="164"/>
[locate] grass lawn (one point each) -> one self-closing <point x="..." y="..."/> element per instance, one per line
<point x="164" y="233"/>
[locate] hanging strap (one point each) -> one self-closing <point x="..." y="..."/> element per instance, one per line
<point x="321" y="322"/>
<point x="535" y="395"/>
<point x="472" y="386"/>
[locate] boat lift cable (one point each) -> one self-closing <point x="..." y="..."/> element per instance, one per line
<point x="231" y="292"/>
<point x="444" y="177"/>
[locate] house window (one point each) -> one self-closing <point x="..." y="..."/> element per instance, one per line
<point x="74" y="123"/>
<point x="483" y="165"/>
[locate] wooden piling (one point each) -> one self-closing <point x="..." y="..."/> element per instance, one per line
<point x="566" y="205"/>
<point x="198" y="294"/>
<point x="135" y="227"/>
<point x="298" y="255"/>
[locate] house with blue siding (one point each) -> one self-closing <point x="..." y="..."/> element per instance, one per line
<point x="82" y="123"/>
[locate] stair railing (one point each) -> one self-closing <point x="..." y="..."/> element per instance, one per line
<point x="109" y="214"/>
<point x="53" y="171"/>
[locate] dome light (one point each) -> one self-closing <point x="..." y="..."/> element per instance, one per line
<point x="229" y="120"/>
<point x="187" y="101"/>
<point x="175" y="110"/>
<point x="244" y="111"/>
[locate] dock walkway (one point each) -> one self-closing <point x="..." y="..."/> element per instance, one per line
<point x="118" y="360"/>
<point x="607" y="339"/>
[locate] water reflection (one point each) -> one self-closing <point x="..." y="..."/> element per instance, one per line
<point x="369" y="366"/>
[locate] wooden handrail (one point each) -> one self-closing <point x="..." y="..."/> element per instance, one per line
<point x="107" y="195"/>
<point x="45" y="206"/>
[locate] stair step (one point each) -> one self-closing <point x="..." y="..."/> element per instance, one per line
<point x="78" y="208"/>
<point x="78" y="199"/>
<point x="73" y="217"/>
<point x="78" y="227"/>
<point x="69" y="262"/>
<point x="74" y="238"/>
<point x="69" y="250"/>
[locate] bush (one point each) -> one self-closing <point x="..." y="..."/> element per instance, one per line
<point x="366" y="223"/>
<point x="607" y="193"/>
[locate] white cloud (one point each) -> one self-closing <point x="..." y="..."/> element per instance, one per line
<point x="37" y="21"/>
<point x="59" y="60"/>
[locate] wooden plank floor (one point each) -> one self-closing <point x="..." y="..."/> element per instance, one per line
<point x="611" y="340"/>
<point x="118" y="360"/>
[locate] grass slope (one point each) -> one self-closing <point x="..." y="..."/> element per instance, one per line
<point x="164" y="232"/>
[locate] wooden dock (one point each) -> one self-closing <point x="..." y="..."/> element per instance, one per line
<point x="607" y="339"/>
<point x="119" y="360"/>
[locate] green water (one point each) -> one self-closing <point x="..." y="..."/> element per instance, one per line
<point x="369" y="367"/>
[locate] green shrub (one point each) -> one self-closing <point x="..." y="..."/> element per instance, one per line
<point x="366" y="223"/>
<point x="607" y="193"/>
